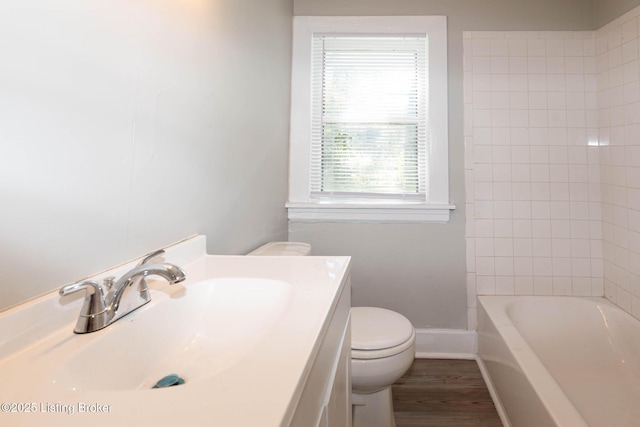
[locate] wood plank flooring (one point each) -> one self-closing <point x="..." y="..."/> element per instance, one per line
<point x="443" y="392"/>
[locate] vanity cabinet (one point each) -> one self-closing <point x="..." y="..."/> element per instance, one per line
<point x="325" y="400"/>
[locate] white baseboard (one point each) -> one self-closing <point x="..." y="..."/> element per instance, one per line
<point x="446" y="344"/>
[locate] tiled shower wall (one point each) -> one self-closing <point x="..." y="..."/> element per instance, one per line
<point x="532" y="169"/>
<point x="619" y="119"/>
<point x="552" y="133"/>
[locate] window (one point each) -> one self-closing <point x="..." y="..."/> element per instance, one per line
<point x="369" y="120"/>
<point x="369" y="116"/>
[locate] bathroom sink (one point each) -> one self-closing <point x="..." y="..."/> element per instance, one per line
<point x="242" y="332"/>
<point x="197" y="333"/>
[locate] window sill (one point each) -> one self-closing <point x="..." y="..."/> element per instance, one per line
<point x="407" y="213"/>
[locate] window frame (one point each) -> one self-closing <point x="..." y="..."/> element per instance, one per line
<point x="301" y="206"/>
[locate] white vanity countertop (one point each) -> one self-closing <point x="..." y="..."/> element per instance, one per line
<point x="260" y="388"/>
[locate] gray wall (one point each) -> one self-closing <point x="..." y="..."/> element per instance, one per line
<point x="127" y="125"/>
<point x="606" y="11"/>
<point x="419" y="270"/>
<point x="123" y="128"/>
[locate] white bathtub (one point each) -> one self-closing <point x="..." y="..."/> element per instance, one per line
<point x="561" y="361"/>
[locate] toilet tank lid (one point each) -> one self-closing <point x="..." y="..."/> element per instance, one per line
<point x="282" y="249"/>
<point x="374" y="328"/>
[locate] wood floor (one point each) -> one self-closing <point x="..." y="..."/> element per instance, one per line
<point x="443" y="392"/>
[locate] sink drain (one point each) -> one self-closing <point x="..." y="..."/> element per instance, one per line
<point x="169" y="381"/>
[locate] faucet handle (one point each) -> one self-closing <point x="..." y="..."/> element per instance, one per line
<point x="151" y="256"/>
<point x="92" y="287"/>
<point x="93" y="312"/>
<point x="93" y="301"/>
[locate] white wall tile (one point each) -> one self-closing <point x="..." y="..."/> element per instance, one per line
<point x="540" y="174"/>
<point x="558" y="172"/>
<point x="502" y="172"/>
<point x="579" y="229"/>
<point x="499" y="64"/>
<point x="518" y="47"/>
<point x="561" y="285"/>
<point x="574" y="65"/>
<point x="581" y="248"/>
<point x="561" y="267"/>
<point x="574" y="82"/>
<point x="541" y="228"/>
<point x="538" y="100"/>
<point x="541" y="247"/>
<point x="522" y="228"/>
<point x="518" y="65"/>
<point x="573" y="47"/>
<point x="518" y="82"/>
<point x="499" y="154"/>
<point x="472" y="318"/>
<point x="485" y="266"/>
<point x="503" y="267"/>
<point x="537" y="82"/>
<point x="523" y="266"/>
<point x="484" y="247"/>
<point x="561" y="248"/>
<point x="629" y="30"/>
<point x="558" y="82"/>
<point x="614" y="38"/>
<point x="560" y="229"/>
<point x="551" y="217"/>
<point x="581" y="286"/>
<point x="575" y="100"/>
<point x="499" y="82"/>
<point x="597" y="287"/>
<point x="542" y="286"/>
<point x="521" y="174"/>
<point x="542" y="266"/>
<point x="519" y="119"/>
<point x="505" y="285"/>
<point x="481" y="47"/>
<point x="536" y="47"/>
<point x="503" y="228"/>
<point x="483" y="228"/>
<point x="559" y="191"/>
<point x="522" y="247"/>
<point x="630" y="50"/>
<point x="555" y="48"/>
<point x="520" y="153"/>
<point x="560" y="210"/>
<point x="499" y="47"/>
<point x="502" y="209"/>
<point x="521" y="199"/>
<point x="486" y="285"/>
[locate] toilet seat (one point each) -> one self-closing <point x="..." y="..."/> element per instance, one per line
<point x="377" y="333"/>
<point x="385" y="352"/>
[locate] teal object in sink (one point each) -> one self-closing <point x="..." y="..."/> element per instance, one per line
<point x="168" y="381"/>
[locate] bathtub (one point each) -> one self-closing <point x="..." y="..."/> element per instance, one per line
<point x="560" y="361"/>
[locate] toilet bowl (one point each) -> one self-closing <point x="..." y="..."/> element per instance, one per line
<point x="382" y="349"/>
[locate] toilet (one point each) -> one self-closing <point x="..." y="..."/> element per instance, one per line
<point x="382" y="349"/>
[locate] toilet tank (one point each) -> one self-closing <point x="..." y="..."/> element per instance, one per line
<point x="282" y="249"/>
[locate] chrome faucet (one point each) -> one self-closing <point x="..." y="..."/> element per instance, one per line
<point x="124" y="296"/>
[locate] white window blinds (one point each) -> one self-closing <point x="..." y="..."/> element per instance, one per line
<point x="369" y="116"/>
